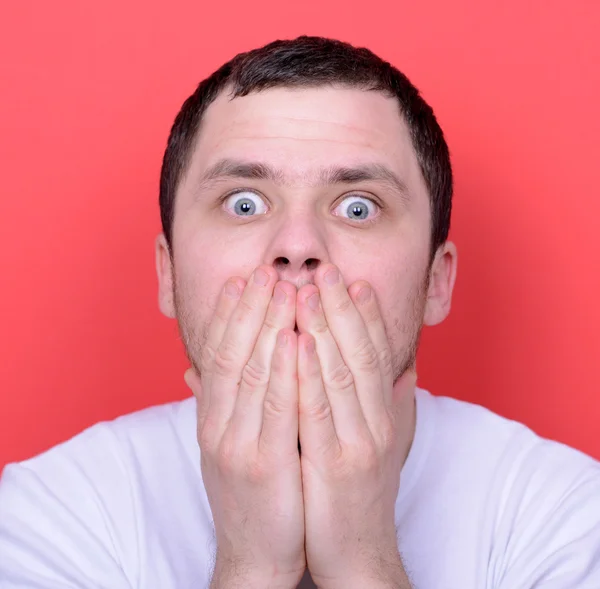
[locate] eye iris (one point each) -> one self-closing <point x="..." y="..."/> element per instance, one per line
<point x="358" y="210"/>
<point x="245" y="206"/>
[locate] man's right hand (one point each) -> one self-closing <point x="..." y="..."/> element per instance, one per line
<point x="247" y="398"/>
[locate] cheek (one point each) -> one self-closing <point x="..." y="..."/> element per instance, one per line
<point x="393" y="287"/>
<point x="388" y="270"/>
<point x="215" y="248"/>
<point x="204" y="263"/>
<point x="397" y="279"/>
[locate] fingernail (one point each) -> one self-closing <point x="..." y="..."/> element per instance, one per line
<point x="364" y="294"/>
<point x="313" y="301"/>
<point x="231" y="290"/>
<point x="279" y="296"/>
<point x="332" y="276"/>
<point x="261" y="277"/>
<point x="282" y="339"/>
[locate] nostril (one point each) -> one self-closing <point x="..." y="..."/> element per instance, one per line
<point x="282" y="261"/>
<point x="312" y="263"/>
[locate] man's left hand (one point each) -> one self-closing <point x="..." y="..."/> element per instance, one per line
<point x="354" y="435"/>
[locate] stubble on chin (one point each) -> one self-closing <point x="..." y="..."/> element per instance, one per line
<point x="193" y="329"/>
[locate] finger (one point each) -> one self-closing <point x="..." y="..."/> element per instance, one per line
<point x="247" y="418"/>
<point x="279" y="414"/>
<point x="317" y="430"/>
<point x="228" y="301"/>
<point x="356" y="347"/>
<point x="193" y="381"/>
<point x="365" y="301"/>
<point x="226" y="304"/>
<point x="338" y="380"/>
<point x="236" y="347"/>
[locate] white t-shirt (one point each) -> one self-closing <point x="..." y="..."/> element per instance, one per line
<point x="484" y="503"/>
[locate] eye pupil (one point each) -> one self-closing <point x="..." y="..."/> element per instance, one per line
<point x="358" y="210"/>
<point x="245" y="206"/>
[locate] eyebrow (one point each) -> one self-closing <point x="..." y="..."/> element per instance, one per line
<point x="229" y="168"/>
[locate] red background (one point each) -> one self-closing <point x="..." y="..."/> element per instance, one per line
<point x="89" y="91"/>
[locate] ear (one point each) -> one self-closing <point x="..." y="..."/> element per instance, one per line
<point x="164" y="272"/>
<point x="442" y="276"/>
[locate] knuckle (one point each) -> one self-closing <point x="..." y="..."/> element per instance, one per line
<point x="367" y="458"/>
<point x="341" y="306"/>
<point x="274" y="407"/>
<point x="340" y="377"/>
<point x="244" y="307"/>
<point x="228" y="457"/>
<point x="207" y="356"/>
<point x="321" y="327"/>
<point x="270" y="324"/>
<point x="317" y="412"/>
<point x="225" y="358"/>
<point x="362" y="454"/>
<point x="206" y="436"/>
<point x="386" y="360"/>
<point x="366" y="356"/>
<point x="256" y="471"/>
<point x="254" y="374"/>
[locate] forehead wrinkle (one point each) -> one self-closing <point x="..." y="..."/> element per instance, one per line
<point x="229" y="168"/>
<point x="304" y="126"/>
<point x="266" y="136"/>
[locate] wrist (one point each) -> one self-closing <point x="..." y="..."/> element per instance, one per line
<point x="379" y="581"/>
<point x="235" y="575"/>
<point x="240" y="581"/>
<point x="390" y="575"/>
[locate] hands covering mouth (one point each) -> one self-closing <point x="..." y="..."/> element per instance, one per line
<point x="285" y="368"/>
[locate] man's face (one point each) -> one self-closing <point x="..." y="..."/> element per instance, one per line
<point x="299" y="177"/>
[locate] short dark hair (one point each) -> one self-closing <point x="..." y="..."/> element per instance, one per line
<point x="313" y="62"/>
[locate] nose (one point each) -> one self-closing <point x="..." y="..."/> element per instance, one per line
<point x="297" y="250"/>
<point x="298" y="274"/>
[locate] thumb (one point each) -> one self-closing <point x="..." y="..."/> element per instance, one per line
<point x="193" y="381"/>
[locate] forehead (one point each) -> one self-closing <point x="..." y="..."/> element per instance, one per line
<point x="302" y="130"/>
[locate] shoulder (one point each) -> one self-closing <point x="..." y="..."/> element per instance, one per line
<point x="109" y="458"/>
<point x="107" y="445"/>
<point x="473" y="432"/>
<point x="108" y="452"/>
<point x="85" y="500"/>
<point x="541" y="498"/>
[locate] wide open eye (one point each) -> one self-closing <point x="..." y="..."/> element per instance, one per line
<point x="357" y="208"/>
<point x="245" y="204"/>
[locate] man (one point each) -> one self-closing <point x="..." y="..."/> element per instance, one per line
<point x="305" y="198"/>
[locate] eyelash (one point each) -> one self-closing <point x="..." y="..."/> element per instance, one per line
<point x="366" y="222"/>
<point x="376" y="202"/>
